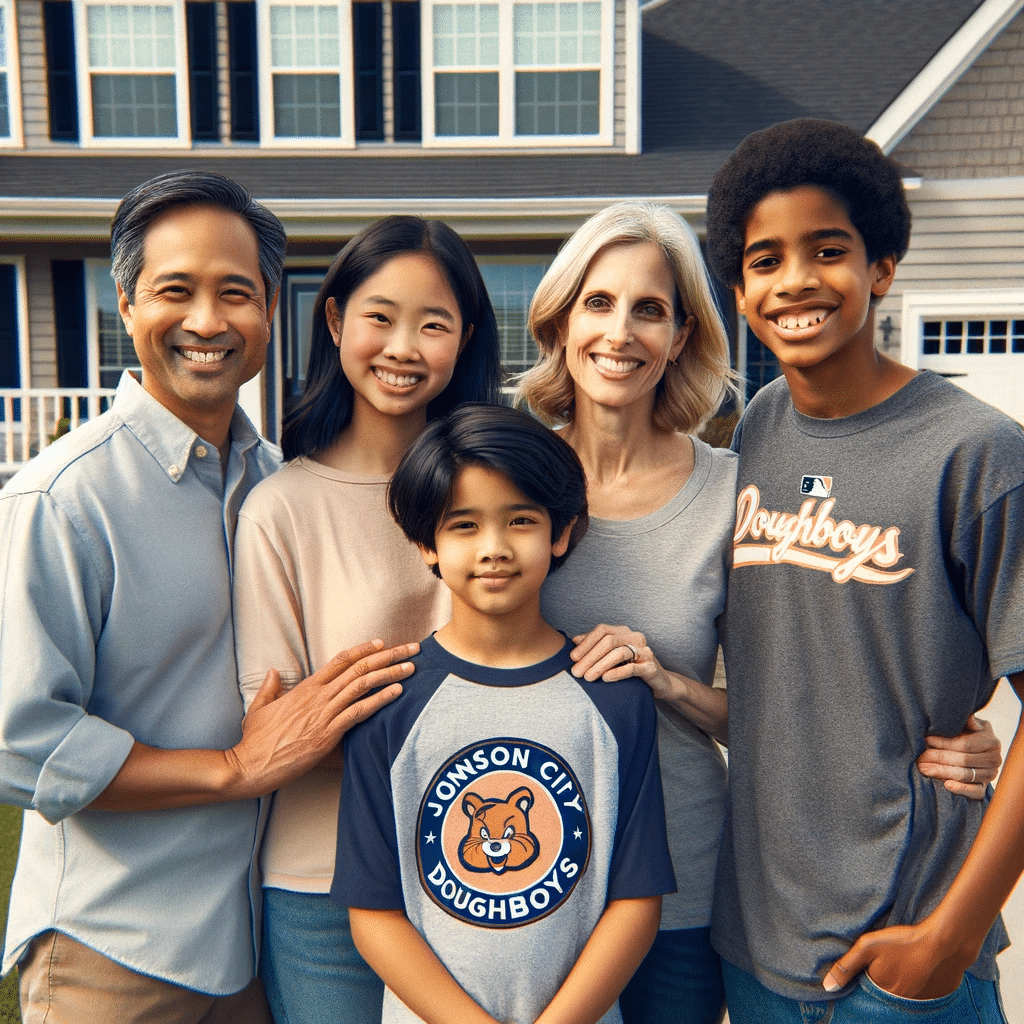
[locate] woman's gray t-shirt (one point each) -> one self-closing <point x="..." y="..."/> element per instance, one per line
<point x="664" y="575"/>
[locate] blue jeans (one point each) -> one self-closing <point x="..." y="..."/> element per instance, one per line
<point x="678" y="982"/>
<point x="974" y="1002"/>
<point x="310" y="968"/>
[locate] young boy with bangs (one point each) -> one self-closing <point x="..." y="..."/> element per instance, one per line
<point x="501" y="840"/>
<point x="876" y="596"/>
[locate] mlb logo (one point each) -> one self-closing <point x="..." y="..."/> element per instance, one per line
<point x="816" y="486"/>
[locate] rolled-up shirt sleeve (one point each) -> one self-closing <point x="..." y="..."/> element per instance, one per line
<point x="55" y="757"/>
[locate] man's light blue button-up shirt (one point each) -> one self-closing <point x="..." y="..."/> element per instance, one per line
<point x="115" y="626"/>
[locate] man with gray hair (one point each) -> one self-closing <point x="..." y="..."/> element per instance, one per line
<point x="121" y="728"/>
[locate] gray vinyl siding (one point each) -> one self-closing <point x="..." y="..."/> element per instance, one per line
<point x="967" y="235"/>
<point x="34" y="109"/>
<point x="619" y="79"/>
<point x="977" y="129"/>
<point x="41" y="331"/>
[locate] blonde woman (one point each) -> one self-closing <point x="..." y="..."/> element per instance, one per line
<point x="634" y="360"/>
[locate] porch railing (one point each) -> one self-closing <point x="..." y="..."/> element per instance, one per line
<point x="30" y="418"/>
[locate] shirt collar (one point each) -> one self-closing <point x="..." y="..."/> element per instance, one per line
<point x="163" y="435"/>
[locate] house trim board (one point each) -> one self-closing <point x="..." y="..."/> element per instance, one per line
<point x="942" y="71"/>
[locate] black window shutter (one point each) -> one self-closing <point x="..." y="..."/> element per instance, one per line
<point x="245" y="111"/>
<point x="201" y="27"/>
<point x="10" y="370"/>
<point x="69" y="315"/>
<point x="368" y="61"/>
<point x="406" y="28"/>
<point x="59" y="39"/>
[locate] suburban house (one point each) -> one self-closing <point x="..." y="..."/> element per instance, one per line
<point x="513" y="120"/>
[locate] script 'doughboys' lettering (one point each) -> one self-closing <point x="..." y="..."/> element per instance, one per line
<point x="801" y="539"/>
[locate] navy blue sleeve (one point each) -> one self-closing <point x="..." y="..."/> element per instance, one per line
<point x="366" y="870"/>
<point x="641" y="864"/>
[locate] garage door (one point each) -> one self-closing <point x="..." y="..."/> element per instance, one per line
<point x="976" y="339"/>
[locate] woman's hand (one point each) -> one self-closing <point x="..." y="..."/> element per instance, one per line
<point x="612" y="653"/>
<point x="966" y="763"/>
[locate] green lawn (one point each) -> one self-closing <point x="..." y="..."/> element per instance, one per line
<point x="10" y="831"/>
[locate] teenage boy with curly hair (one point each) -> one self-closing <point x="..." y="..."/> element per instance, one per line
<point x="876" y="596"/>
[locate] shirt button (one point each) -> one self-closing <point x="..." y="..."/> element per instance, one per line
<point x="201" y="451"/>
<point x="175" y="472"/>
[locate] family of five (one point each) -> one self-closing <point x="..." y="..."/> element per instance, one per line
<point x="511" y="806"/>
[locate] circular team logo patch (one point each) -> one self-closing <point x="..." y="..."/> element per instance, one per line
<point x="504" y="833"/>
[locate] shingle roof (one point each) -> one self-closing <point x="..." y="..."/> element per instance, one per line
<point x="712" y="72"/>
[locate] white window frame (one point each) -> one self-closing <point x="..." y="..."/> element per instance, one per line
<point x="94" y="267"/>
<point x="11" y="69"/>
<point x="506" y="69"/>
<point x="977" y="304"/>
<point x="347" y="138"/>
<point x="84" y="72"/>
<point x="21" y="318"/>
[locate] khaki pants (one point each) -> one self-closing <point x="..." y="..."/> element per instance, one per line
<point x="63" y="982"/>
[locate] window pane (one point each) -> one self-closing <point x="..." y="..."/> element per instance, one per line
<point x="122" y="36"/>
<point x="163" y="24"/>
<point x="565" y="34"/>
<point x="557" y="102"/>
<point x="1018" y="336"/>
<point x="327" y="37"/>
<point x="5" y="116"/>
<point x="976" y="336"/>
<point x="488" y="14"/>
<point x="115" y="347"/>
<point x="304" y="36"/>
<point x="134" y="106"/>
<point x="511" y="286"/>
<point x="304" y="21"/>
<point x="307" y="106"/>
<point x="281" y="37"/>
<point x="444" y="52"/>
<point x="466" y="104"/>
<point x="465" y="35"/>
<point x="465" y="51"/>
<point x="954" y="336"/>
<point x="97" y="18"/>
<point x="3" y="40"/>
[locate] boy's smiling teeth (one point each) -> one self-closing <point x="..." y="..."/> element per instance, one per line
<point x="396" y="380"/>
<point x="197" y="355"/>
<point x="617" y="365"/>
<point x="798" y="321"/>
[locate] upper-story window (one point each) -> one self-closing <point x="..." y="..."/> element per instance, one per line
<point x="315" y="73"/>
<point x="10" y="100"/>
<point x="306" y="80"/>
<point x="132" y="73"/>
<point x="518" y="73"/>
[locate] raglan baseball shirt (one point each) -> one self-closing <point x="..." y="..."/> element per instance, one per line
<point x="501" y="809"/>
